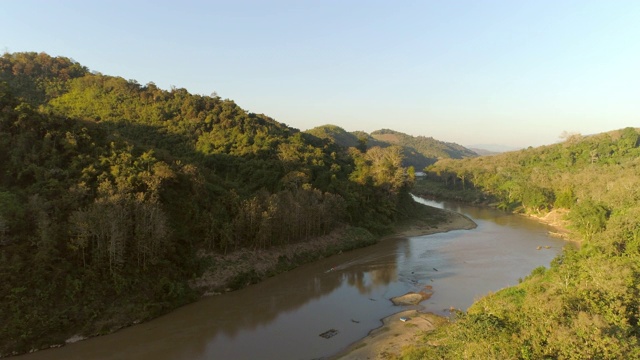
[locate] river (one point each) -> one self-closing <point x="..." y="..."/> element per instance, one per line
<point x="282" y="317"/>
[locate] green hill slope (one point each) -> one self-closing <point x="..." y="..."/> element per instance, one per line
<point x="336" y="134"/>
<point x="426" y="146"/>
<point x="418" y="151"/>
<point x="586" y="306"/>
<point x="112" y="193"/>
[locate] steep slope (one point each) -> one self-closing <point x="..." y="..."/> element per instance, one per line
<point x="113" y="193"/>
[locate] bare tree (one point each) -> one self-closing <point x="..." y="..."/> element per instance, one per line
<point x="570" y="137"/>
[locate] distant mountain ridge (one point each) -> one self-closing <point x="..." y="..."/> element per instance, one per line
<point x="491" y="149"/>
<point x="418" y="151"/>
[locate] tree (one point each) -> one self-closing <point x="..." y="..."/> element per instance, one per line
<point x="629" y="139"/>
<point x="589" y="217"/>
<point x="565" y="199"/>
<point x="151" y="232"/>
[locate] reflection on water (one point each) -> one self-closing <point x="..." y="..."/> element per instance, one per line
<point x="282" y="317"/>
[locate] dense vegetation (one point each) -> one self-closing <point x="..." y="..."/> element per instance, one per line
<point x="111" y="191"/>
<point x="341" y="136"/>
<point x="418" y="151"/>
<point x="587" y="304"/>
<point x="426" y="146"/>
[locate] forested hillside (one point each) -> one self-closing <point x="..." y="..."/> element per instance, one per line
<point x="426" y="146"/>
<point x="587" y="305"/>
<point x="418" y="151"/>
<point x="339" y="136"/>
<point x="110" y="189"/>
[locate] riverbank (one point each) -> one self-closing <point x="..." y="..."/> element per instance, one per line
<point x="227" y="272"/>
<point x="293" y="293"/>
<point x="556" y="218"/>
<point x="396" y="332"/>
<point x="242" y="268"/>
<point x="451" y="221"/>
<point x="405" y="327"/>
<point x="233" y="271"/>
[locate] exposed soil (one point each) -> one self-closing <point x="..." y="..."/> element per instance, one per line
<point x="397" y="331"/>
<point x="556" y="219"/>
<point x="259" y="263"/>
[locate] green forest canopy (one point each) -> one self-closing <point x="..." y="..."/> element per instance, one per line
<point x="109" y="189"/>
<point x="418" y="151"/>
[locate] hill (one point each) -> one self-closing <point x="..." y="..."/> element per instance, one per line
<point x="114" y="196"/>
<point x="483" y="151"/>
<point x="426" y="146"/>
<point x="340" y="136"/>
<point x="418" y="152"/>
<point x="586" y="304"/>
<point x="337" y="135"/>
<point x="422" y="151"/>
<point x="491" y="149"/>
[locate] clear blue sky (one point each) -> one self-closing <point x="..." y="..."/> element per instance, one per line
<point x="509" y="72"/>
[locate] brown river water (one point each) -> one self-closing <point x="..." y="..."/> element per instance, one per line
<point x="282" y="317"/>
